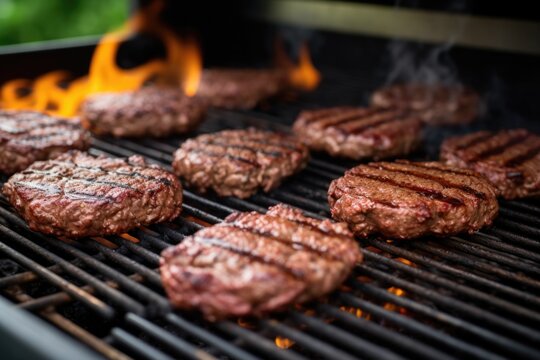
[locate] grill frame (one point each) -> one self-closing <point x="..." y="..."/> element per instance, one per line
<point x="438" y="323"/>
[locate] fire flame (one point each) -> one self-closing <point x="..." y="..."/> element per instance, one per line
<point x="17" y="94"/>
<point x="393" y="307"/>
<point x="76" y="93"/>
<point x="182" y="67"/>
<point x="283" y="343"/>
<point x="48" y="92"/>
<point x="406" y="261"/>
<point x="303" y="75"/>
<point x="356" y="312"/>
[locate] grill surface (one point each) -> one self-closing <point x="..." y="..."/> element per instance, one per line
<point x="475" y="296"/>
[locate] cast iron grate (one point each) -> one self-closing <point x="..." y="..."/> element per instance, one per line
<point x="474" y="296"/>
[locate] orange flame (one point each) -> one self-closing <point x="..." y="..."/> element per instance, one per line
<point x="396" y="291"/>
<point x="355" y="311"/>
<point x="75" y="95"/>
<point x="283" y="343"/>
<point x="191" y="67"/>
<point x="406" y="261"/>
<point x="17" y="94"/>
<point x="182" y="67"/>
<point x="303" y="75"/>
<point x="393" y="307"/>
<point x="48" y="93"/>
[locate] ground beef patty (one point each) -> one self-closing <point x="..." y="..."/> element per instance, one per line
<point x="253" y="263"/>
<point x="359" y="133"/>
<point x="435" y="104"/>
<point x="78" y="195"/>
<point x="409" y="199"/>
<point x="510" y="159"/>
<point x="27" y="136"/>
<point x="151" y="111"/>
<point x="240" y="88"/>
<point x="238" y="162"/>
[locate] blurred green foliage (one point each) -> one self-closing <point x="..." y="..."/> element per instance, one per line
<point x="38" y="20"/>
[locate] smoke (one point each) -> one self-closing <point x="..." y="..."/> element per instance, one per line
<point x="422" y="63"/>
<point x="415" y="63"/>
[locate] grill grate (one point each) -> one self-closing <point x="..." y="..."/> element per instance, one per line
<point x="471" y="296"/>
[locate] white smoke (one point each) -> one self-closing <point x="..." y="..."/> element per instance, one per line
<point x="410" y="63"/>
<point x="423" y="63"/>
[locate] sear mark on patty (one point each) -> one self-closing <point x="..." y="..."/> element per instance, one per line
<point x="407" y="199"/>
<point x="151" y="111"/>
<point x="78" y="195"/>
<point x="360" y="133"/>
<point x="253" y="263"/>
<point x="510" y="159"/>
<point x="28" y="136"/>
<point x="239" y="162"/>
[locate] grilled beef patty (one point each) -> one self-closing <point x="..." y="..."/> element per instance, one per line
<point x="238" y="162"/>
<point x="240" y="88"/>
<point x="435" y="104"/>
<point x="78" y="195"/>
<point x="359" y="133"/>
<point x="410" y="199"/>
<point x="27" y="136"/>
<point x="510" y="159"/>
<point x="151" y="111"/>
<point x="253" y="263"/>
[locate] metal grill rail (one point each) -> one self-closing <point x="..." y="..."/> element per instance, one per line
<point x="466" y="296"/>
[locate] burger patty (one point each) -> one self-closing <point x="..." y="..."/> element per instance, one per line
<point x="78" y="195"/>
<point x="253" y="263"/>
<point x="435" y="104"/>
<point x="27" y="136"/>
<point x="410" y="199"/>
<point x="238" y="162"/>
<point x="359" y="133"/>
<point x="510" y="159"/>
<point x="150" y="111"/>
<point x="240" y="88"/>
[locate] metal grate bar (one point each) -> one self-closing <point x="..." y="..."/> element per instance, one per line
<point x="455" y="272"/>
<point x="370" y="329"/>
<point x="501" y="343"/>
<point x="181" y="348"/>
<point x="492" y="242"/>
<point x="479" y="250"/>
<point x="97" y="305"/>
<point x="416" y="273"/>
<point x="312" y="344"/>
<point x="446" y="273"/>
<point x="315" y="171"/>
<point x="73" y="329"/>
<point x="515" y="238"/>
<point x="149" y="275"/>
<point x="417" y="328"/>
<point x="456" y="305"/>
<point x="346" y="340"/>
<point x="474" y="262"/>
<point x="125" y="301"/>
<point x="136" y="345"/>
<point x="28" y="276"/>
<point x="208" y="337"/>
<point x="263" y="345"/>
